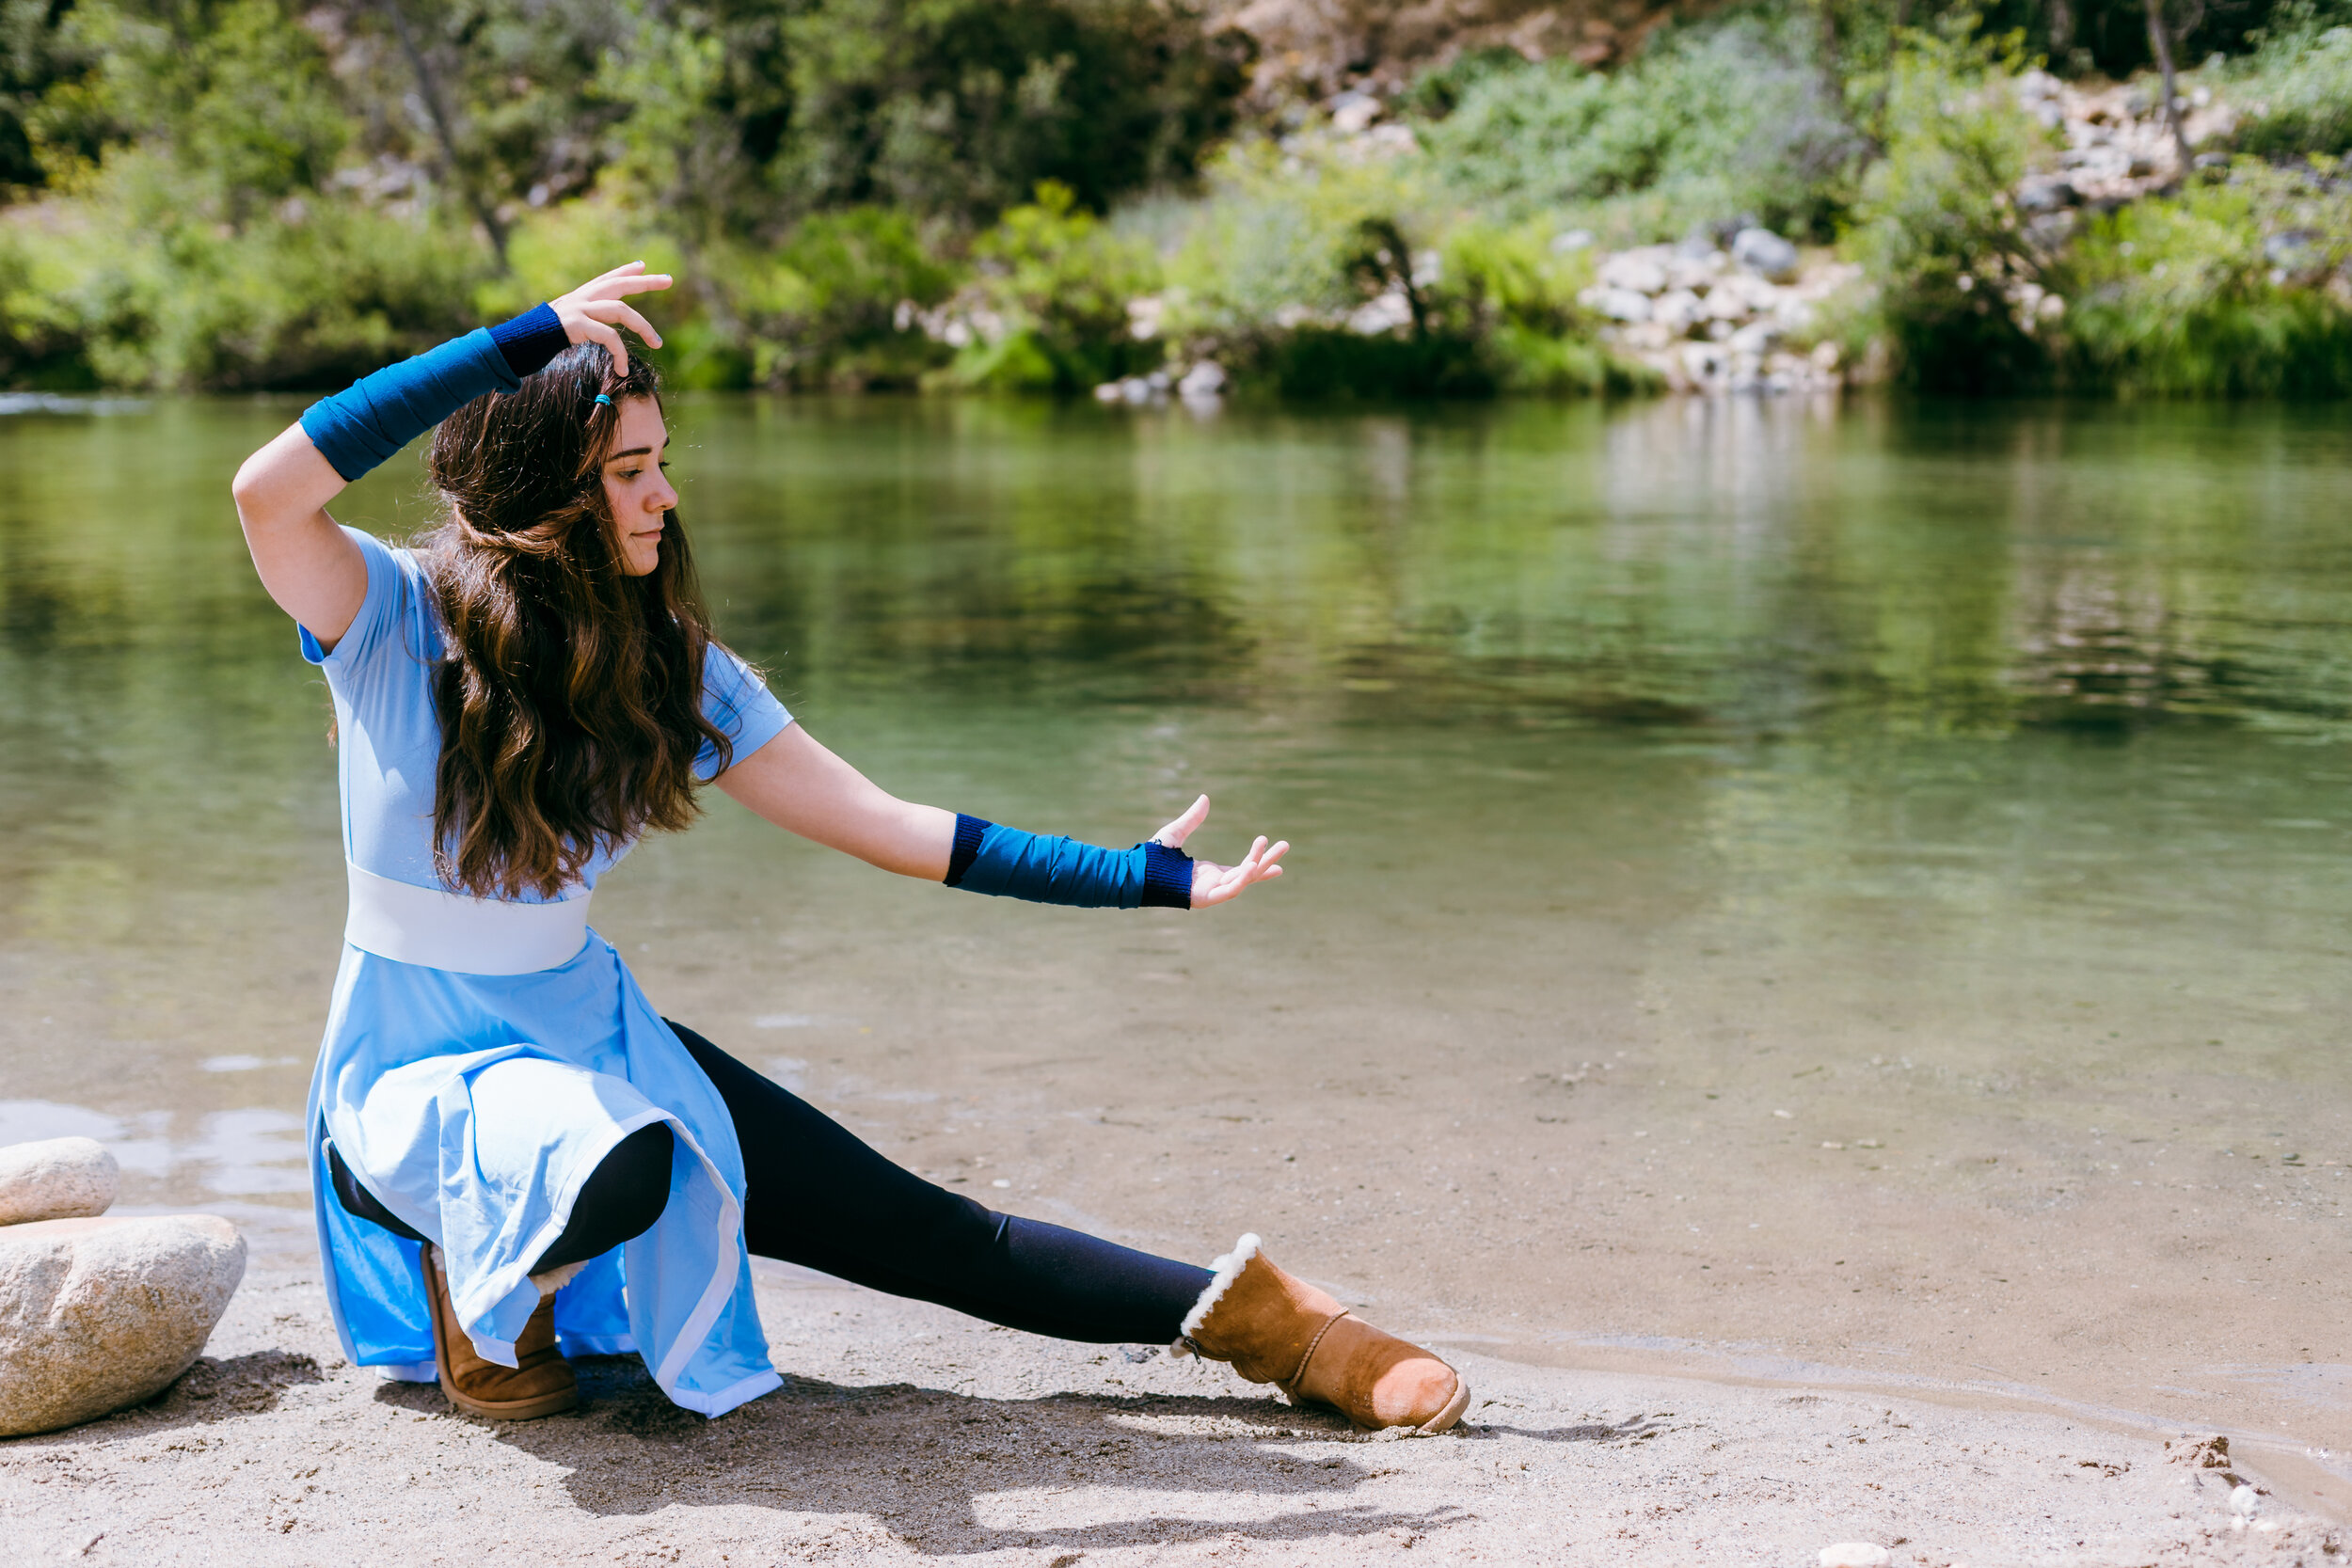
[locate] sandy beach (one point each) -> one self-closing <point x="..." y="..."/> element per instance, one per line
<point x="906" y="1433"/>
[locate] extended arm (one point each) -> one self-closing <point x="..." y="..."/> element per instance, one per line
<point x="309" y="567"/>
<point x="804" y="788"/>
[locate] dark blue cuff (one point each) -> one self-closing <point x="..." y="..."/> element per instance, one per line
<point x="969" y="832"/>
<point x="531" y="340"/>
<point x="1167" y="877"/>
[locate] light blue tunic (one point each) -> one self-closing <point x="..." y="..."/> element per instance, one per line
<point x="475" y="1106"/>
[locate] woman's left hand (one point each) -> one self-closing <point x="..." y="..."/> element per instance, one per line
<point x="597" y="310"/>
<point x="1212" y="883"/>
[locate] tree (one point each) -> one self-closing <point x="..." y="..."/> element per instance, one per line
<point x="961" y="106"/>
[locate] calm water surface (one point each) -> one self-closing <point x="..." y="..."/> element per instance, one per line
<point x="1843" y="884"/>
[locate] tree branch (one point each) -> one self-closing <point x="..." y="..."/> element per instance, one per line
<point x="436" y="108"/>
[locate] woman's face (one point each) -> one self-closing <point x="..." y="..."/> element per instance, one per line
<point x="636" y="486"/>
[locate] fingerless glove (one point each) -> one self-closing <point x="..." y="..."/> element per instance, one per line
<point x="1010" y="864"/>
<point x="357" y="429"/>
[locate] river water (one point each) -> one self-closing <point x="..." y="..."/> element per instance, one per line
<point x="1777" y="887"/>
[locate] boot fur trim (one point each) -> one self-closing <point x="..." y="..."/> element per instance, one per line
<point x="1227" y="1269"/>
<point x="557" y="1278"/>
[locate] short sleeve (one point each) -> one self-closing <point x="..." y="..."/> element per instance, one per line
<point x="393" y="599"/>
<point x="738" y="703"/>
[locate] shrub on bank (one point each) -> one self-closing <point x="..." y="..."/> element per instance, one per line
<point x="1320" y="269"/>
<point x="1047" y="306"/>
<point x="1719" y="124"/>
<point x="2297" y="90"/>
<point x="1933" y="226"/>
<point x="836" y="304"/>
<point x="2213" y="294"/>
<point x="127" y="289"/>
<point x="1273" y="242"/>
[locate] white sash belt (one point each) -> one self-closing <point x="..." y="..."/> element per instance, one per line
<point x="438" y="929"/>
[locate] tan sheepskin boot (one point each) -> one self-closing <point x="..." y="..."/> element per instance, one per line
<point x="541" y="1384"/>
<point x="1276" y="1329"/>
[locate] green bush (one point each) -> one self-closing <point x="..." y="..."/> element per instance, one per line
<point x="1273" y="242"/>
<point x="1051" y="289"/>
<point x="1932" y="225"/>
<point x="2184" y="298"/>
<point x="124" y="290"/>
<point x="961" y="106"/>
<point x="2297" y="93"/>
<point x="1292" y="242"/>
<point x="1711" y="124"/>
<point x="1516" y="296"/>
<point x="837" y="303"/>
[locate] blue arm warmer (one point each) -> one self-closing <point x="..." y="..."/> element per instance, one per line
<point x="1013" y="865"/>
<point x="357" y="429"/>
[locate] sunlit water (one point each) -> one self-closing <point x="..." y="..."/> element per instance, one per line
<point x="1863" y="885"/>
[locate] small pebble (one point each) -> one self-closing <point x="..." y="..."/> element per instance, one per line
<point x="1855" y="1554"/>
<point x="2245" y="1502"/>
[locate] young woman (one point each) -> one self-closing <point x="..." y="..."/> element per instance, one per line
<point x="515" y="1159"/>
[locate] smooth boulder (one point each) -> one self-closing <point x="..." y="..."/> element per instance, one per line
<point x="56" y="1179"/>
<point x="96" y="1314"/>
<point x="1766" y="253"/>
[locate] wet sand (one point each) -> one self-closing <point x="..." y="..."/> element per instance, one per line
<point x="908" y="1435"/>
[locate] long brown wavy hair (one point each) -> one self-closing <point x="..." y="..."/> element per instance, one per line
<point x="570" y="694"/>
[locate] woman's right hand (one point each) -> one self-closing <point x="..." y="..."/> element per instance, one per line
<point x="597" y="310"/>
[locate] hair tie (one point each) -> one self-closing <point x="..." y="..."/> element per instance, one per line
<point x="606" y="400"/>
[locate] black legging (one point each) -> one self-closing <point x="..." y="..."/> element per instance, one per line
<point x="818" y="1196"/>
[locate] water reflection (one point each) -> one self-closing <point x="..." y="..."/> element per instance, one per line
<point x="1963" y="782"/>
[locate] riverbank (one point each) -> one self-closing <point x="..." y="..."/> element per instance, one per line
<point x="906" y="1433"/>
<point x="1432" y="227"/>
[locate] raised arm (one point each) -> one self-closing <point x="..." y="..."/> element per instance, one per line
<point x="314" y="573"/>
<point x="308" y="566"/>
<point x="804" y="788"/>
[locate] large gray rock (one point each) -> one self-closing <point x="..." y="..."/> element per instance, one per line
<point x="2046" y="193"/>
<point x="56" y="1179"/>
<point x="1766" y="253"/>
<point x="96" y="1314"/>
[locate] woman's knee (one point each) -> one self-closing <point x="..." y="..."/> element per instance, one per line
<point x="621" y="1200"/>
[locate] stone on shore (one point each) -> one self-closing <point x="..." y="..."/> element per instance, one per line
<point x="56" y="1179"/>
<point x="1856" y="1554"/>
<point x="97" y="1314"/>
<point x="1766" y="253"/>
